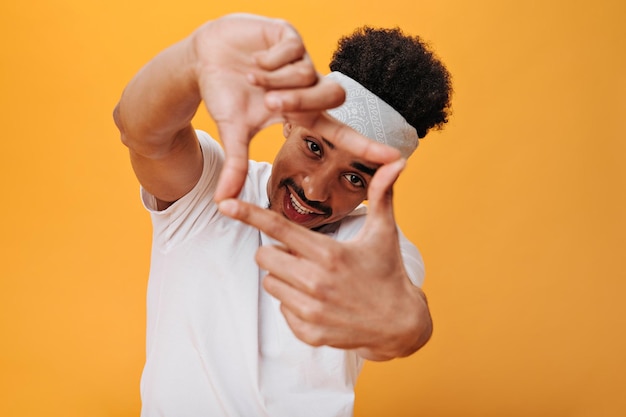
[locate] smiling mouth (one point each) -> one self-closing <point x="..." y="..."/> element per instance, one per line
<point x="300" y="204"/>
<point x="298" y="207"/>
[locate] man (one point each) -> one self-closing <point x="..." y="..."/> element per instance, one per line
<point x="255" y="312"/>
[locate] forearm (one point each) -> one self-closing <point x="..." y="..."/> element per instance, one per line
<point x="159" y="101"/>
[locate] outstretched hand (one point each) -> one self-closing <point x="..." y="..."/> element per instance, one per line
<point x="351" y="295"/>
<point x="254" y="71"/>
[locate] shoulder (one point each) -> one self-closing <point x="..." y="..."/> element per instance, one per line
<point x="209" y="145"/>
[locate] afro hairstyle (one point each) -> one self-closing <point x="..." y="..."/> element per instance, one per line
<point x="402" y="70"/>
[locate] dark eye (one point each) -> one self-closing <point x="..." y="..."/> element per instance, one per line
<point x="355" y="180"/>
<point x="313" y="147"/>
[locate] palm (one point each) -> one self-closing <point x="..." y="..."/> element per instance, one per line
<point x="350" y="295"/>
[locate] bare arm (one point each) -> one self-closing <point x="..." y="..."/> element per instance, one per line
<point x="235" y="65"/>
<point x="213" y="64"/>
<point x="154" y="118"/>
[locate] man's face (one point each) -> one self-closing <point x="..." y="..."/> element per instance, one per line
<point x="314" y="183"/>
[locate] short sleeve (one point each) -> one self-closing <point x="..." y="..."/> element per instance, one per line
<point x="195" y="208"/>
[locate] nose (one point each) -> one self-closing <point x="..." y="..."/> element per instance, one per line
<point x="317" y="185"/>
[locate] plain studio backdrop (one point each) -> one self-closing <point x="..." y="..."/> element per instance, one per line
<point x="518" y="206"/>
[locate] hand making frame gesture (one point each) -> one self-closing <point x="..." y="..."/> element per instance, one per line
<point x="250" y="72"/>
<point x="352" y="295"/>
<point x="254" y="72"/>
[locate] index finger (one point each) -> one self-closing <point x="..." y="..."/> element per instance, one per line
<point x="297" y="238"/>
<point x="346" y="138"/>
<point x="305" y="106"/>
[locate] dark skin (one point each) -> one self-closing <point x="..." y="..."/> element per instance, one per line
<point x="251" y="72"/>
<point x="350" y="295"/>
<point x="326" y="183"/>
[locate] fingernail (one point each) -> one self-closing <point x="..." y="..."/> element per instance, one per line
<point x="273" y="101"/>
<point x="228" y="207"/>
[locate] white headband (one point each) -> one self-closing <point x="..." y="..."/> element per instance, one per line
<point x="366" y="113"/>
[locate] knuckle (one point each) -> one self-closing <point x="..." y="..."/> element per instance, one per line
<point x="320" y="290"/>
<point x="311" y="313"/>
<point x="261" y="78"/>
<point x="310" y="335"/>
<point x="273" y="226"/>
<point x="331" y="257"/>
<point x="292" y="101"/>
<point x="296" y="47"/>
<point x="306" y="73"/>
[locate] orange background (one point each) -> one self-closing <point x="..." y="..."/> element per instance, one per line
<point x="518" y="206"/>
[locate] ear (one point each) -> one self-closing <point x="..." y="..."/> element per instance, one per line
<point x="286" y="129"/>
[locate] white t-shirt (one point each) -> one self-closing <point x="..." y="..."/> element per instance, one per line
<point x="217" y="344"/>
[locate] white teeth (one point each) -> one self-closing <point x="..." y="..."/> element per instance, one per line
<point x="298" y="206"/>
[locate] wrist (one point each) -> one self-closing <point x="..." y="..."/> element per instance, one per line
<point x="407" y="334"/>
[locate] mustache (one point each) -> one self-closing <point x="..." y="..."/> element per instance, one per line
<point x="313" y="204"/>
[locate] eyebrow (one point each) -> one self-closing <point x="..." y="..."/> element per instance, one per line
<point x="365" y="169"/>
<point x="357" y="165"/>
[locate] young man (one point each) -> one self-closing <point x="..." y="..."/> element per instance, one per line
<point x="255" y="312"/>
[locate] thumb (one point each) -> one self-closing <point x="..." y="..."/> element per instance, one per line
<point x="380" y="191"/>
<point x="235" y="138"/>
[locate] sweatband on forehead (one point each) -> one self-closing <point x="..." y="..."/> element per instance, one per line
<point x="366" y="113"/>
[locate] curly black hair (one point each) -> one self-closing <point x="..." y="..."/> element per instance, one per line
<point x="402" y="70"/>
